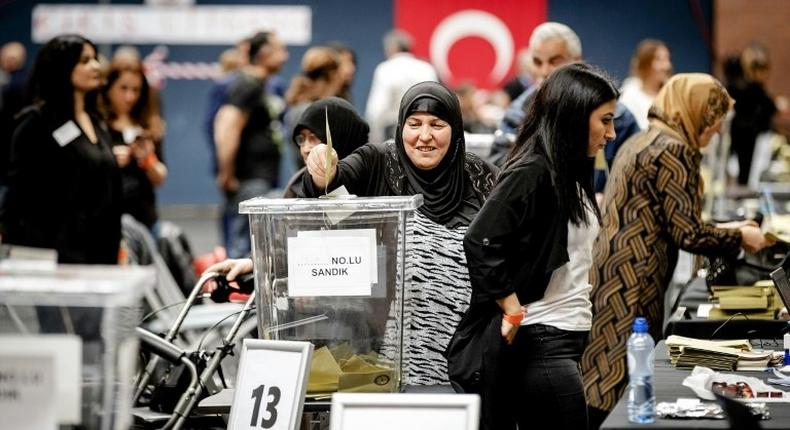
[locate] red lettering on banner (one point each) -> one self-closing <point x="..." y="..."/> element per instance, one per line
<point x="470" y="40"/>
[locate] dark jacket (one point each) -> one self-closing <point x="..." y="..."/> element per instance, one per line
<point x="473" y="354"/>
<point x="517" y="240"/>
<point x="63" y="197"/>
<point x="513" y="245"/>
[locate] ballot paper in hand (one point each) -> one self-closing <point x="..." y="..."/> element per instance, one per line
<point x="329" y="150"/>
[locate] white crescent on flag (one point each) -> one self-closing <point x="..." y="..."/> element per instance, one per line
<point x="471" y="22"/>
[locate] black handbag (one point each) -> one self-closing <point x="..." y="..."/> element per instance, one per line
<point x="477" y="334"/>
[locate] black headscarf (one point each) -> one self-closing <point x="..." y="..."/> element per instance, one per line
<point x="444" y="188"/>
<point x="349" y="130"/>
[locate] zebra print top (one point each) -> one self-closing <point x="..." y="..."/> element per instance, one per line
<point x="436" y="298"/>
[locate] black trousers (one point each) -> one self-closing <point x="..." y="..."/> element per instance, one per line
<point x="542" y="380"/>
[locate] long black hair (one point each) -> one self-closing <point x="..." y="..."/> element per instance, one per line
<point x="558" y="126"/>
<point x="50" y="81"/>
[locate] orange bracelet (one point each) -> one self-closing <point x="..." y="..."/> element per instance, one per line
<point x="148" y="162"/>
<point x="514" y="319"/>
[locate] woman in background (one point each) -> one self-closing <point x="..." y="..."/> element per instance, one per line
<point x="136" y="131"/>
<point x="650" y="68"/>
<point x="349" y="131"/>
<point x="320" y="77"/>
<point x="754" y="107"/>
<point x="64" y="183"/>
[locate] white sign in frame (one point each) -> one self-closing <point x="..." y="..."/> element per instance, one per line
<point x="363" y="411"/>
<point x="270" y="385"/>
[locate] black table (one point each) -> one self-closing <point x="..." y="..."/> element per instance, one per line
<point x="667" y="384"/>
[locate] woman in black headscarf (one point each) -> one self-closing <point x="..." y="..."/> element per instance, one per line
<point x="348" y="129"/>
<point x="428" y="157"/>
<point x="454" y="183"/>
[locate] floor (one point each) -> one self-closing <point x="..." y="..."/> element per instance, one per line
<point x="200" y="224"/>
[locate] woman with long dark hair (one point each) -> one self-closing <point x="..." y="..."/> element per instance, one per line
<point x="529" y="252"/>
<point x="64" y="184"/>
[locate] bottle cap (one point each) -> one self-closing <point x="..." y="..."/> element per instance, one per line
<point x="640" y="325"/>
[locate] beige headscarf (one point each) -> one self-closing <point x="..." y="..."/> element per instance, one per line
<point x="688" y="104"/>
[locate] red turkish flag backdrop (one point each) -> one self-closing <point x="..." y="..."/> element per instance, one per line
<point x="465" y="39"/>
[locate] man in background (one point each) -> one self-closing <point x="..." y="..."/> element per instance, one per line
<point x="551" y="46"/>
<point x="523" y="80"/>
<point x="391" y="79"/>
<point x="248" y="139"/>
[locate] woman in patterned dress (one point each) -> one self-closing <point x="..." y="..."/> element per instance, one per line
<point x="651" y="209"/>
<point x="428" y="156"/>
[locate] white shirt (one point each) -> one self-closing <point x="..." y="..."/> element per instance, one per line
<point x="566" y="304"/>
<point x="636" y="100"/>
<point x="390" y="81"/>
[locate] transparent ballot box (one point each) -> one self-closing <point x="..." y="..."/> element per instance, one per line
<point x="331" y="271"/>
<point x="68" y="348"/>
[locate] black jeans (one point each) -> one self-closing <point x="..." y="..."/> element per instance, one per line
<point x="543" y="380"/>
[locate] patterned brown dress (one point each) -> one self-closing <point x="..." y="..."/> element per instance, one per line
<point x="651" y="208"/>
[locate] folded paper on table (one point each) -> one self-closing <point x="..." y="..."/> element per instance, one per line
<point x="686" y="352"/>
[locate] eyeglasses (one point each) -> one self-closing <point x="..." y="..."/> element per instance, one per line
<point x="301" y="139"/>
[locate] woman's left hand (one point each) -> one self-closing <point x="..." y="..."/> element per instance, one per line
<point x="141" y="148"/>
<point x="509" y="331"/>
<point x="752" y="239"/>
<point x="737" y="224"/>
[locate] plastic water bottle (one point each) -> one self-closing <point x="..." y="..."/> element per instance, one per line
<point x="641" y="399"/>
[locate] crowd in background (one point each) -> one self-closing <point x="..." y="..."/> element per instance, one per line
<point x="329" y="70"/>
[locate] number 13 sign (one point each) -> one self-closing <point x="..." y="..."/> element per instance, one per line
<point x="270" y="385"/>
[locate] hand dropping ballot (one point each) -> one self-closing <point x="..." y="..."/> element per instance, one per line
<point x="332" y="263"/>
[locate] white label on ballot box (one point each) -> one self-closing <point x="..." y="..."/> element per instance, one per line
<point x="369" y="233"/>
<point x="65" y="352"/>
<point x="270" y="385"/>
<point x="330" y="266"/>
<point x="27" y="392"/>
